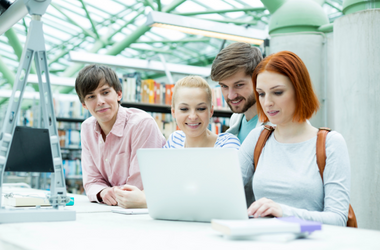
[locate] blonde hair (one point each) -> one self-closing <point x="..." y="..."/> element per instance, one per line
<point x="192" y="82"/>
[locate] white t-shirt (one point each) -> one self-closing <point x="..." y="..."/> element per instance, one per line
<point x="288" y="174"/>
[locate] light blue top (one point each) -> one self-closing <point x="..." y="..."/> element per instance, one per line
<point x="288" y="174"/>
<point x="247" y="126"/>
<point x="224" y="140"/>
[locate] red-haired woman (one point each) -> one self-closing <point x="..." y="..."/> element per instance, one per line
<point x="287" y="180"/>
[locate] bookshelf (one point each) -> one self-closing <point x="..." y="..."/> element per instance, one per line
<point x="162" y="108"/>
<point x="69" y="148"/>
<point x="67" y="119"/>
<point x="69" y="132"/>
<point x="156" y="108"/>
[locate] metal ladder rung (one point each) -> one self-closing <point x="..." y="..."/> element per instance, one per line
<point x="7" y="137"/>
<point x="57" y="161"/>
<point x="2" y="160"/>
<point x="54" y="139"/>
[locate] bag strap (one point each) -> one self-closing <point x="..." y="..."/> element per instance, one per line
<point x="321" y="161"/>
<point x="321" y="149"/>
<point x="321" y="146"/>
<point x="267" y="131"/>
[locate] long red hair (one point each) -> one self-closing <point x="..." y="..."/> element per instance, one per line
<point x="289" y="64"/>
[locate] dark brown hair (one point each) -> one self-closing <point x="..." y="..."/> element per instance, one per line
<point x="234" y="57"/>
<point x="89" y="77"/>
<point x="289" y="64"/>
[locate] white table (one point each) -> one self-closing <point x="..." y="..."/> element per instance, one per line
<point x="96" y="227"/>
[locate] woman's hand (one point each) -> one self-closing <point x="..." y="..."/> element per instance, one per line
<point x="265" y="207"/>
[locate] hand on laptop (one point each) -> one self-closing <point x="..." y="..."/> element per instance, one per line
<point x="265" y="207"/>
<point x="108" y="196"/>
<point x="129" y="196"/>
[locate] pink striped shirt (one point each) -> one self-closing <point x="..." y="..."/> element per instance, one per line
<point x="114" y="162"/>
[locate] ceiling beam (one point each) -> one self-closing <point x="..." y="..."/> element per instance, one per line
<point x="328" y="2"/>
<point x="219" y="11"/>
<point x="121" y="45"/>
<point x="58" y="8"/>
<point x="161" y="51"/>
<point x="101" y="43"/>
<point x="150" y="3"/>
<point x="158" y="5"/>
<point x="90" y="19"/>
<point x="14" y="42"/>
<point x="17" y="47"/>
<point x="234" y="21"/>
<point x="7" y="73"/>
<point x="188" y="40"/>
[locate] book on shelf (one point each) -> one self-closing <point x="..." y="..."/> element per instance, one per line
<point x="158" y="95"/>
<point x="69" y="138"/>
<point x="265" y="226"/>
<point x="215" y="127"/>
<point x="153" y="92"/>
<point x="69" y="125"/>
<point x="218" y="99"/>
<point x="151" y="83"/>
<point x="168" y="93"/>
<point x="145" y="91"/>
<point x="129" y="88"/>
<point x="70" y="109"/>
<point x="165" y="123"/>
<point x="72" y="167"/>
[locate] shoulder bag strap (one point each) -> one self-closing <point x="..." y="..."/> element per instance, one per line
<point x="321" y="149"/>
<point x="321" y="161"/>
<point x="267" y="131"/>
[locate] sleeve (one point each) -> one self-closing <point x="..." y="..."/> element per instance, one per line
<point x="146" y="135"/>
<point x="336" y="178"/>
<point x="231" y="141"/>
<point x="93" y="180"/>
<point x="246" y="154"/>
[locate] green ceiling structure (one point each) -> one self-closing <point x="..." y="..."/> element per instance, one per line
<point x="117" y="27"/>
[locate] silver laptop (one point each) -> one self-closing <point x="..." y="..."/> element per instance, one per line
<point x="194" y="184"/>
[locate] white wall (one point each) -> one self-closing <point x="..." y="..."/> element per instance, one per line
<point x="356" y="107"/>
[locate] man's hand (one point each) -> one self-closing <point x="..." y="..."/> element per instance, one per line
<point x="108" y="196"/>
<point x="265" y="207"/>
<point x="129" y="196"/>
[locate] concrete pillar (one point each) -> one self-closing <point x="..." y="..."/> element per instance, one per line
<point x="310" y="48"/>
<point x="329" y="66"/>
<point x="356" y="107"/>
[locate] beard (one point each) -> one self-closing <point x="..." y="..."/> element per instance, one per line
<point x="249" y="103"/>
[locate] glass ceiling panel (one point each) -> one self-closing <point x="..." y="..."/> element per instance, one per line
<point x="67" y="27"/>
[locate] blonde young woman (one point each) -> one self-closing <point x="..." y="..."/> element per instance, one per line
<point x="192" y="109"/>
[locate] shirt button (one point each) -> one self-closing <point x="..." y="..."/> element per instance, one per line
<point x="106" y="159"/>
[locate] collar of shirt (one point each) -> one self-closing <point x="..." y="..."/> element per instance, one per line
<point x="118" y="127"/>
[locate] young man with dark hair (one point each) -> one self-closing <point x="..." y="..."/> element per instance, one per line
<point x="110" y="139"/>
<point x="233" y="68"/>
